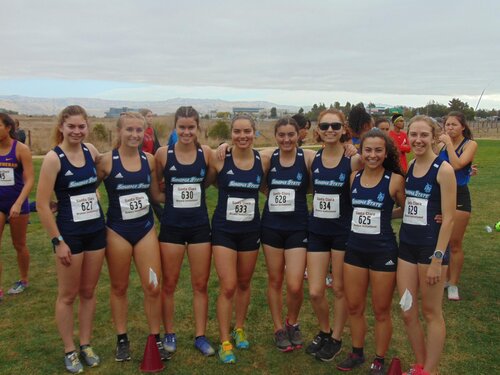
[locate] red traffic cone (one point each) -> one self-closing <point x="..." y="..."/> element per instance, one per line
<point x="151" y="362"/>
<point x="395" y="367"/>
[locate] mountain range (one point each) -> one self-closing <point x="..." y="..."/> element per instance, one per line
<point x="98" y="107"/>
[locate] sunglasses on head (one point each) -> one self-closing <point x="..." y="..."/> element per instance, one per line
<point x="325" y="125"/>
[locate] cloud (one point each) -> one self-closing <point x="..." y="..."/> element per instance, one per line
<point x="398" y="48"/>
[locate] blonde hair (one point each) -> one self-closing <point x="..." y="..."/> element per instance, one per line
<point x="429" y="121"/>
<point x="119" y="124"/>
<point x="71" y="110"/>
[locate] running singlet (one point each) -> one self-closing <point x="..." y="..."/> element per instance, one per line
<point x="332" y="210"/>
<point x="127" y="191"/>
<point x="78" y="210"/>
<point x="11" y="174"/>
<point x="462" y="175"/>
<point x="286" y="205"/>
<point x="422" y="204"/>
<point x="237" y="208"/>
<point x="371" y="218"/>
<point x="185" y="204"/>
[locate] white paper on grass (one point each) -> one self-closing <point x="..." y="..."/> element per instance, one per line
<point x="153" y="279"/>
<point x="406" y="300"/>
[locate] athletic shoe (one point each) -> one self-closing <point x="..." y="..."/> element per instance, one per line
<point x="18" y="287"/>
<point x="377" y="368"/>
<point x="317" y="343"/>
<point x="351" y="362"/>
<point x="89" y="357"/>
<point x="294" y="335"/>
<point x="72" y="363"/>
<point x="453" y="293"/>
<point x="329" y="350"/>
<point x="416" y="370"/>
<point x="282" y="342"/>
<point x="203" y="345"/>
<point x="122" y="351"/>
<point x="240" y="339"/>
<point x="170" y="342"/>
<point x="226" y="354"/>
<point x="164" y="354"/>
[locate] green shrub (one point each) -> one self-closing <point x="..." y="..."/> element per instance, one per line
<point x="220" y="130"/>
<point x="100" y="132"/>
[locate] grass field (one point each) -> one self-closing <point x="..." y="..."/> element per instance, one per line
<point x="29" y="343"/>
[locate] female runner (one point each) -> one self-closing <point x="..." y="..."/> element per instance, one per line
<point x="236" y="231"/>
<point x="185" y="225"/>
<point x="372" y="250"/>
<point x="128" y="175"/>
<point x="284" y="230"/>
<point x="16" y="181"/>
<point x="458" y="149"/>
<point x="329" y="229"/>
<point x="78" y="233"/>
<point x="430" y="191"/>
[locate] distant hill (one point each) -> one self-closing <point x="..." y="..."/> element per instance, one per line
<point x="98" y="107"/>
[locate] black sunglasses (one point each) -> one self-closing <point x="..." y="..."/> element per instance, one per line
<point x="325" y="125"/>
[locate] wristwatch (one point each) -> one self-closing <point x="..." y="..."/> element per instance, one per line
<point x="56" y="240"/>
<point x="438" y="254"/>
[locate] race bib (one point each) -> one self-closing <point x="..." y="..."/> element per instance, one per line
<point x="365" y="220"/>
<point x="326" y="206"/>
<point x="7" y="177"/>
<point x="134" y="205"/>
<point x="415" y="211"/>
<point x="186" y="195"/>
<point x="84" y="207"/>
<point x="281" y="200"/>
<point x="240" y="209"/>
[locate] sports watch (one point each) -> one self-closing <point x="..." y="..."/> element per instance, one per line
<point x="438" y="254"/>
<point x="56" y="240"/>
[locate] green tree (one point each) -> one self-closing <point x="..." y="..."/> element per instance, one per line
<point x="301" y="110"/>
<point x="347" y="108"/>
<point x="336" y="105"/>
<point x="220" y="130"/>
<point x="274" y="112"/>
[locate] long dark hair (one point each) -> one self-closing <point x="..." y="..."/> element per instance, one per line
<point x="391" y="162"/>
<point x="467" y="133"/>
<point x="9" y="123"/>
<point x="188" y="112"/>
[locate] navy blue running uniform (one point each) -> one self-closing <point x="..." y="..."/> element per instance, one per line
<point x="237" y="208"/>
<point x="11" y="181"/>
<point x="371" y="240"/>
<point x="463" y="177"/>
<point x="330" y="217"/>
<point x="286" y="205"/>
<point x="419" y="231"/>
<point x="78" y="210"/>
<point x="129" y="212"/>
<point x="185" y="204"/>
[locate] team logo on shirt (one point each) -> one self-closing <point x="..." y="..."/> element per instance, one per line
<point x="274" y="169"/>
<point x="68" y="173"/>
<point x="380" y="197"/>
<point x="299" y="176"/>
<point x="202" y="172"/>
<point x="258" y="179"/>
<point x="119" y="175"/>
<point x="428" y="188"/>
<point x="342" y="177"/>
<point x="172" y="168"/>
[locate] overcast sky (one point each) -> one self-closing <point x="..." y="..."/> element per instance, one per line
<point x="288" y="52"/>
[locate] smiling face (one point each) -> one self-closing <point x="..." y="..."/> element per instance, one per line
<point x="242" y="133"/>
<point x="131" y="132"/>
<point x="330" y="135"/>
<point x="187" y="130"/>
<point x="286" y="137"/>
<point x="74" y="129"/>
<point x="373" y="152"/>
<point x="420" y="137"/>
